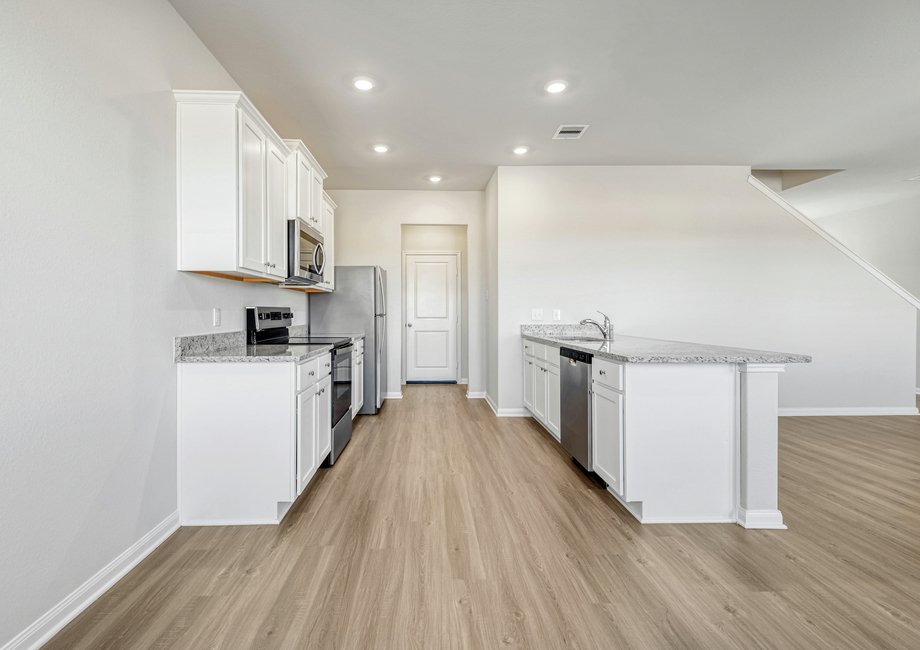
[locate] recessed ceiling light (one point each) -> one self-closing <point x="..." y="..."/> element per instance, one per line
<point x="435" y="179"/>
<point x="555" y="86"/>
<point x="520" y="150"/>
<point x="381" y="148"/>
<point x="363" y="83"/>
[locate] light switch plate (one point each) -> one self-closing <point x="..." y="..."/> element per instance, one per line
<point x="557" y="314"/>
<point x="217" y="317"/>
<point x="536" y="314"/>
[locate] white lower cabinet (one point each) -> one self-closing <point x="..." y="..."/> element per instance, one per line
<point x="357" y="381"/>
<point x="542" y="395"/>
<point x="607" y="435"/>
<point x="553" y="401"/>
<point x="307" y="436"/>
<point x="251" y="437"/>
<point x="324" y="418"/>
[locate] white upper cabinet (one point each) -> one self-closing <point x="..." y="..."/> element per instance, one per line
<point x="329" y="244"/>
<point x="318" y="211"/>
<point x="303" y="175"/>
<point x="232" y="194"/>
<point x="277" y="213"/>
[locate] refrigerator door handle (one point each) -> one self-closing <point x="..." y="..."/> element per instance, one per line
<point x="381" y="292"/>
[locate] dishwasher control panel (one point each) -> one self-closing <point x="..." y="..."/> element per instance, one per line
<point x="576" y="355"/>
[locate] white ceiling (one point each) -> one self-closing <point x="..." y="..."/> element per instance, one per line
<point x="786" y="84"/>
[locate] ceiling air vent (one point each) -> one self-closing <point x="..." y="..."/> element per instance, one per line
<point x="570" y="131"/>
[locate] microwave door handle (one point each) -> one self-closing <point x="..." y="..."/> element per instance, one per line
<point x="316" y="249"/>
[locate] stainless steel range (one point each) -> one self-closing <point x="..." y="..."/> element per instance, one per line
<point x="271" y="326"/>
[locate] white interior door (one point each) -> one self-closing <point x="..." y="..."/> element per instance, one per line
<point x="432" y="317"/>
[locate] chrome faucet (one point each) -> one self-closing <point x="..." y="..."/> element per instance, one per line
<point x="605" y="328"/>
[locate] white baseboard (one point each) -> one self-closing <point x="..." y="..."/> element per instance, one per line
<point x="849" y="411"/>
<point x="765" y="519"/>
<point x="475" y="395"/>
<point x="491" y="403"/>
<point x="393" y="395"/>
<point x="918" y="390"/>
<point x="37" y="634"/>
<point x="463" y="382"/>
<point x="506" y="413"/>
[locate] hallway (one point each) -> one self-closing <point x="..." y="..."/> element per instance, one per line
<point x="443" y="526"/>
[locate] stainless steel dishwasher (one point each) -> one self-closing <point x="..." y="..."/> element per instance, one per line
<point x="575" y="377"/>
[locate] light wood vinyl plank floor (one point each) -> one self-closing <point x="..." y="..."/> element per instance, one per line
<point x="443" y="526"/>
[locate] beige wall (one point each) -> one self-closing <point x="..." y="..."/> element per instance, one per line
<point x="696" y="254"/>
<point x="443" y="239"/>
<point x="369" y="231"/>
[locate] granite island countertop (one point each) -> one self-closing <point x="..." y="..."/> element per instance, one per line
<point x="635" y="349"/>
<point x="231" y="347"/>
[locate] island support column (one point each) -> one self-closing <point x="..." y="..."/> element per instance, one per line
<point x="757" y="506"/>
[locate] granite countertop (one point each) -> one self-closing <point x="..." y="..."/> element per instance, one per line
<point x="231" y="347"/>
<point x="257" y="354"/>
<point x="635" y="349"/>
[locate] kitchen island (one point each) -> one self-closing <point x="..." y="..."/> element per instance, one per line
<point x="680" y="432"/>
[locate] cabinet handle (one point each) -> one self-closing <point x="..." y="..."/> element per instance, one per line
<point x="312" y="373"/>
<point x="327" y="365"/>
<point x="603" y="372"/>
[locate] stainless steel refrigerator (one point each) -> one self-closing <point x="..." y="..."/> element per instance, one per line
<point x="358" y="304"/>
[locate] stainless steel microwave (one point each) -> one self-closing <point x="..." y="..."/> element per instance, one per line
<point x="306" y="256"/>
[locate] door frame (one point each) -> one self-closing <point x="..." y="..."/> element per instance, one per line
<point x="405" y="313"/>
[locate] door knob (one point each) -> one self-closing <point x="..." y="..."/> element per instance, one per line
<point x="409" y="325"/>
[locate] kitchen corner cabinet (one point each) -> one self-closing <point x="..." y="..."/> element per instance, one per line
<point x="232" y="187"/>
<point x="542" y="395"/>
<point x="251" y="438"/>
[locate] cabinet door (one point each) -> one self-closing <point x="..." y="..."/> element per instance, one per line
<point x="360" y="381"/>
<point x="607" y="434"/>
<point x="316" y="219"/>
<point x="252" y="196"/>
<point x="306" y="437"/>
<point x="539" y="390"/>
<point x="324" y="417"/>
<point x="553" y="400"/>
<point x="329" y="245"/>
<point x="303" y="205"/>
<point x="354" y="386"/>
<point x="529" y="373"/>
<point x="276" y="214"/>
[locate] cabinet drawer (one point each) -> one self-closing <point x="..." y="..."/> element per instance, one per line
<point x="307" y="374"/>
<point x="552" y="355"/>
<point x="529" y="348"/>
<point x="324" y="366"/>
<point x="607" y="373"/>
<point x="539" y="351"/>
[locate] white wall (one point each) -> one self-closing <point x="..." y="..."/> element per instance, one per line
<point x="696" y="254"/>
<point x="490" y="239"/>
<point x="888" y="237"/>
<point x="368" y="231"/>
<point x="88" y="261"/>
<point x="444" y="239"/>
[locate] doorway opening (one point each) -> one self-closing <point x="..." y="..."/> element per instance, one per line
<point x="435" y="299"/>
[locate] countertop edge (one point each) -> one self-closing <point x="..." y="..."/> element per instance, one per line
<point x="216" y="358"/>
<point x="729" y="357"/>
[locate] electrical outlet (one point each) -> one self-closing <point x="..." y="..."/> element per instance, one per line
<point x="557" y="314"/>
<point x="536" y="314"/>
<point x="217" y="317"/>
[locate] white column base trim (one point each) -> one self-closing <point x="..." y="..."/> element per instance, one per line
<point x="475" y="395"/>
<point x="393" y="395"/>
<point x="918" y="390"/>
<point x="849" y="411"/>
<point x="37" y="634"/>
<point x="766" y="519"/>
<point x="513" y="413"/>
<point x="463" y="381"/>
